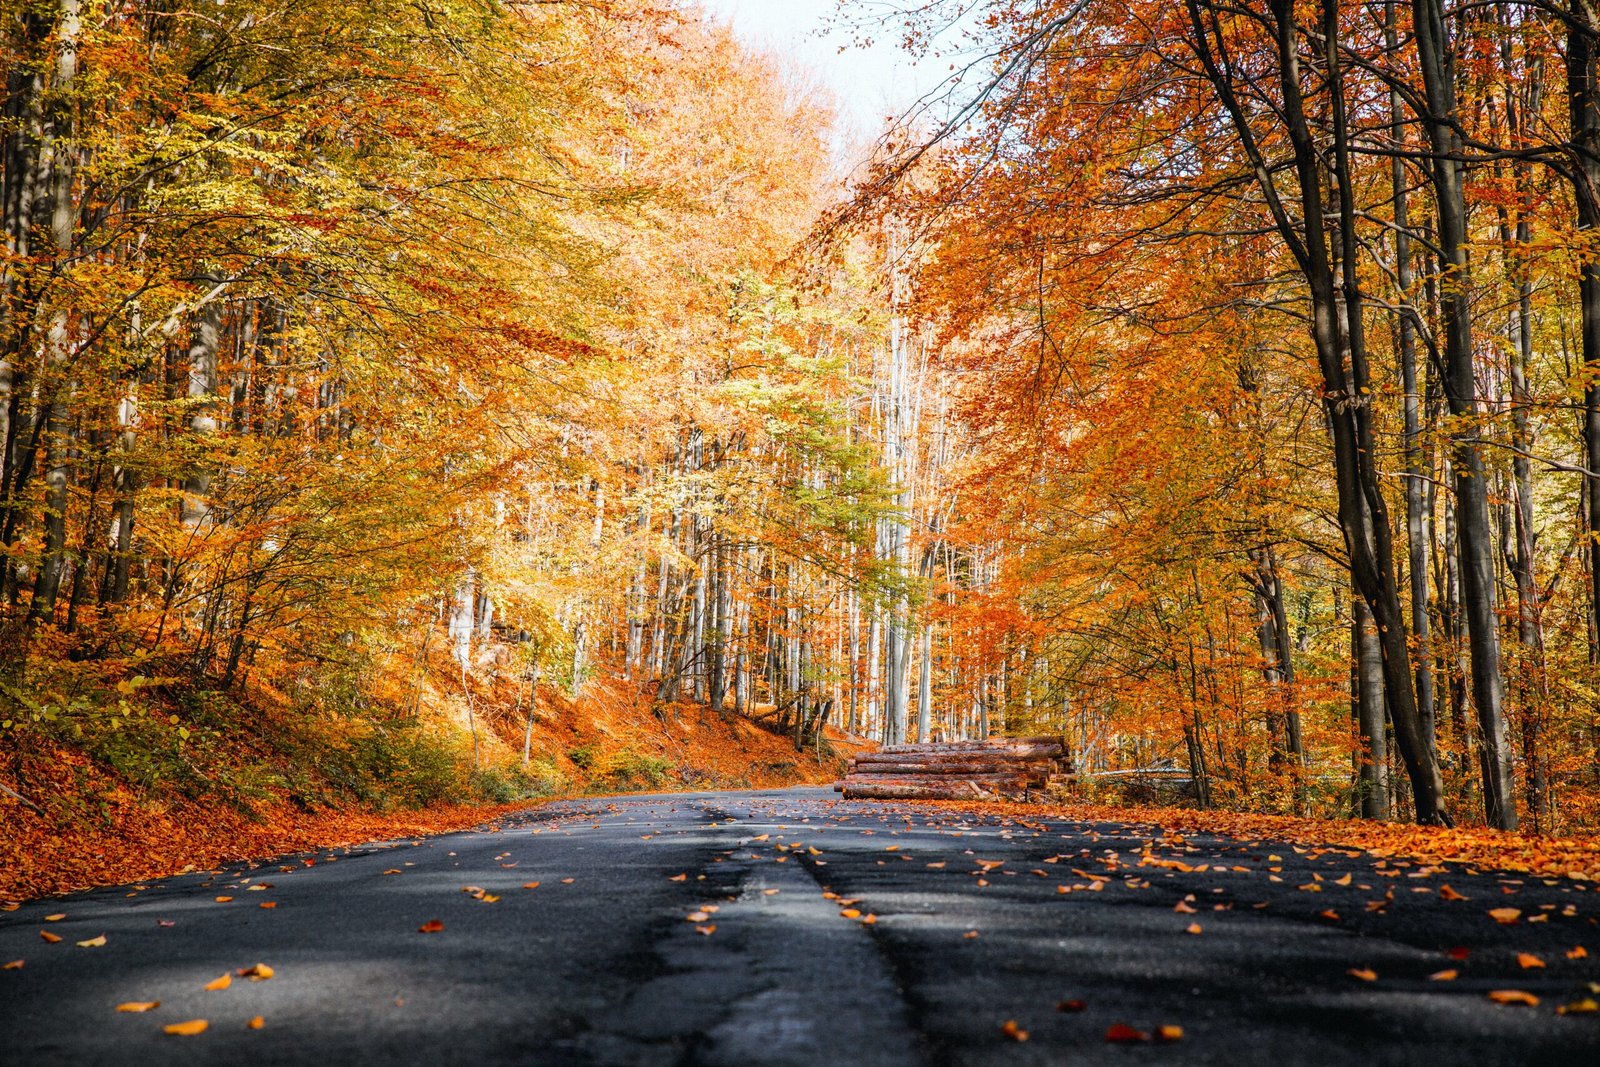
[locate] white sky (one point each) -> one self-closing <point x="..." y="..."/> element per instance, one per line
<point x="868" y="84"/>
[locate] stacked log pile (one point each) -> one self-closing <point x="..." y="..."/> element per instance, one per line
<point x="959" y="770"/>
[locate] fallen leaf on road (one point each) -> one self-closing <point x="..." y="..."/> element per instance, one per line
<point x="568" y="881"/>
<point x="1459" y="953"/>
<point x="1120" y="1034"/>
<point x="1010" y="1029"/>
<point x="1586" y="1006"/>
<point x="1169" y="1034"/>
<point x="1342" y="881"/>
<point x="1444" y="976"/>
<point x="1366" y="974"/>
<point x="268" y="904"/>
<point x="707" y="930"/>
<point x="93" y="942"/>
<point x="969" y="935"/>
<point x="57" y="917"/>
<point x="1192" y="928"/>
<point x="684" y="877"/>
<point x="46" y="935"/>
<point x="220" y="983"/>
<point x="1450" y="894"/>
<point x="164" y="923"/>
<point x="432" y="926"/>
<point x="224" y="900"/>
<point x="530" y="885"/>
<point x="770" y="892"/>
<point x="851" y="913"/>
<point x="256" y="1022"/>
<point x="1527" y="961"/>
<point x="139" y="1005"/>
<point x="188" y="1029"/>
<point x="1183" y="909"/>
<point x="1513" y="996"/>
<point x="1071" y="1005"/>
<point x="258" y="973"/>
<point x="1505" y="916"/>
<point x="391" y="870"/>
<point x="1578" y="952"/>
<point x="697" y="917"/>
<point x="14" y="965"/>
<point x="1330" y="914"/>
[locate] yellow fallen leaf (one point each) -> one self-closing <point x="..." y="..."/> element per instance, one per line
<point x="14" y="965"/>
<point x="568" y="881"/>
<point x="1513" y="996"/>
<point x="1527" y="961"/>
<point x="93" y="942"/>
<point x="220" y="983"/>
<point x="770" y="892"/>
<point x="224" y="900"/>
<point x="258" y="973"/>
<point x="391" y="870"/>
<point x="1169" y="1033"/>
<point x="139" y="1005"/>
<point x="1366" y="974"/>
<point x="188" y="1029"/>
<point x="258" y="887"/>
<point x="1586" y="1006"/>
<point x="697" y="917"/>
<point x="1342" y="881"/>
<point x="256" y="1022"/>
<point x="1505" y="916"/>
<point x="1444" y="976"/>
<point x="57" y="917"/>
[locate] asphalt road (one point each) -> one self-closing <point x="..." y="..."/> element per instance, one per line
<point x="718" y="929"/>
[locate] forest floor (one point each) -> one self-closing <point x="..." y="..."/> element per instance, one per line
<point x="114" y="806"/>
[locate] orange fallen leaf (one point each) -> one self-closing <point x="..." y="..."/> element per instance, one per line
<point x="684" y="877"/>
<point x="256" y="1022"/>
<point x="1342" y="881"/>
<point x="1586" y="1006"/>
<point x="697" y="917"/>
<point x="224" y="900"/>
<point x="1183" y="909"/>
<point x="1577" y="952"/>
<point x="1010" y="1029"/>
<point x="1366" y="974"/>
<point x="969" y="935"/>
<point x="1330" y="914"/>
<point x="268" y="904"/>
<point x="93" y="942"/>
<point x="770" y="892"/>
<point x="851" y="913"/>
<point x="1168" y="1034"/>
<point x="258" y="973"/>
<point x="46" y="935"/>
<point x="706" y="930"/>
<point x="1192" y="928"/>
<point x="432" y="926"/>
<point x="1527" y="961"/>
<point x="530" y="885"/>
<point x="139" y="1005"/>
<point x="220" y="983"/>
<point x="1505" y="916"/>
<point x="14" y="965"/>
<point x="391" y="870"/>
<point x="1513" y="996"/>
<point x="1459" y="953"/>
<point x="568" y="881"/>
<point x="1444" y="976"/>
<point x="57" y="917"/>
<point x="1121" y="1034"/>
<point x="188" y="1029"/>
<point x="869" y="919"/>
<point x="1450" y="894"/>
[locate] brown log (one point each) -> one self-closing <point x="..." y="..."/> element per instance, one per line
<point x="1001" y="744"/>
<point x="886" y="791"/>
<point x="1040" y="766"/>
<point x="974" y="759"/>
<point x="943" y="780"/>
